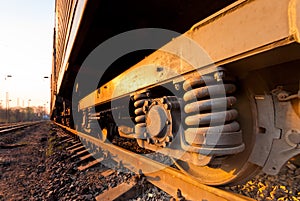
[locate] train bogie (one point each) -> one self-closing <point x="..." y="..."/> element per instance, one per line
<point x="222" y="99"/>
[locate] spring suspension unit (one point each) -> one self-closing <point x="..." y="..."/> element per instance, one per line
<point x="140" y="102"/>
<point x="210" y="120"/>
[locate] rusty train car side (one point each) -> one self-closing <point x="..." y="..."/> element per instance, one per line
<point x="221" y="115"/>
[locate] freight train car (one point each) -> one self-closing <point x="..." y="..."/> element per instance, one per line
<point x="212" y="84"/>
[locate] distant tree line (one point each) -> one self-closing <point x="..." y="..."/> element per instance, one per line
<point x="22" y="114"/>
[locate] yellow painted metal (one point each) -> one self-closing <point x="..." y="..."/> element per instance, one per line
<point x="265" y="31"/>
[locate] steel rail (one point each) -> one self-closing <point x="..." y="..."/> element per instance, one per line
<point x="166" y="178"/>
<point x="14" y="127"/>
<point x="5" y="126"/>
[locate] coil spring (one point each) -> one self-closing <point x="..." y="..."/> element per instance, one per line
<point x="209" y="113"/>
<point x="140" y="119"/>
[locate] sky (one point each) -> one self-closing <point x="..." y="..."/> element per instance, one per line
<point x="26" y="41"/>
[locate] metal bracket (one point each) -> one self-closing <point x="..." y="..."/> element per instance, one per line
<point x="288" y="145"/>
<point x="266" y="131"/>
<point x="278" y="136"/>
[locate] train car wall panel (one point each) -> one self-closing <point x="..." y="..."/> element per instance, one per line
<point x="67" y="20"/>
<point x="78" y="11"/>
<point x="62" y="20"/>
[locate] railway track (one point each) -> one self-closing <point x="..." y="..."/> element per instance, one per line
<point x="16" y="126"/>
<point x="168" y="179"/>
<point x="44" y="162"/>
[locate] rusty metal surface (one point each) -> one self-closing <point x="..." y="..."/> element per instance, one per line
<point x="165" y="177"/>
<point x="116" y="192"/>
<point x="88" y="165"/>
<point x="244" y="30"/>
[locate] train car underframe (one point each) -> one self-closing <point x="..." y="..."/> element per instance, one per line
<point x="220" y="124"/>
<point x="261" y="128"/>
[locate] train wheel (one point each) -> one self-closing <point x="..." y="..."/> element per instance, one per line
<point x="235" y="168"/>
<point x="296" y="160"/>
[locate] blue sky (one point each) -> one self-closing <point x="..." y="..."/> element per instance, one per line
<point x="26" y="40"/>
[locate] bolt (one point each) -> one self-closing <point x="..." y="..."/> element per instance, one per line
<point x="165" y="144"/>
<point x="155" y="103"/>
<point x="145" y="109"/>
<point x="168" y="122"/>
<point x="147" y="103"/>
<point x="163" y="100"/>
<point x="121" y="166"/>
<point x="219" y="75"/>
<point x="169" y="139"/>
<point x="179" y="194"/>
<point x="177" y="86"/>
<point x="282" y="95"/>
<point x="167" y="106"/>
<point x="292" y="137"/>
<point x="159" y="69"/>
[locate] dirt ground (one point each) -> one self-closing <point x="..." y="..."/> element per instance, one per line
<point x="22" y="162"/>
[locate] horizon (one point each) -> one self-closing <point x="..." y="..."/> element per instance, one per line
<point x="26" y="42"/>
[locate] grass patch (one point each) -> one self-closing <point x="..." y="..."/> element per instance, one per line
<point x="51" y="145"/>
